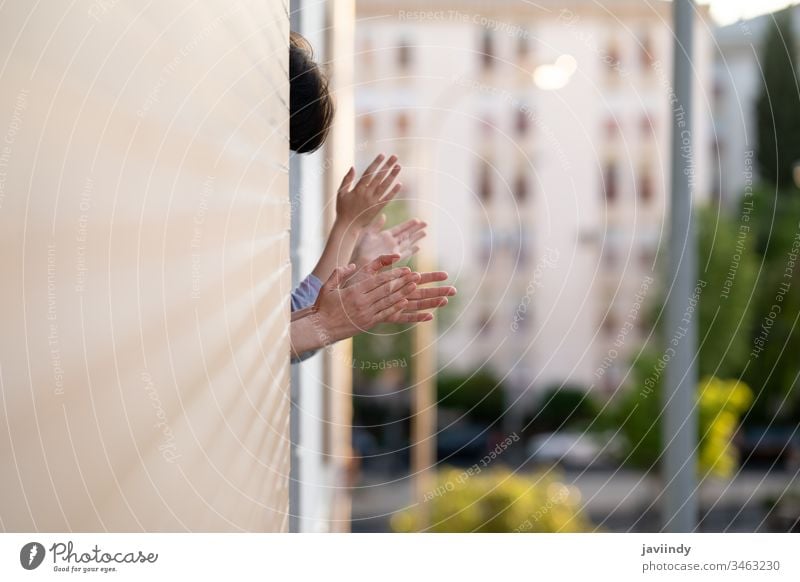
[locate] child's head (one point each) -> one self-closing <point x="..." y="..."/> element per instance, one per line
<point x="310" y="103"/>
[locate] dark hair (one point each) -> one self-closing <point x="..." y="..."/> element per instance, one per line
<point x="311" y="106"/>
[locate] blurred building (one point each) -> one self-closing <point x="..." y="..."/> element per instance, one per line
<point x="535" y="140"/>
<point x="737" y="85"/>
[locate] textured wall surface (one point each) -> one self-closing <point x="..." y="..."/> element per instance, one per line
<point x="144" y="269"/>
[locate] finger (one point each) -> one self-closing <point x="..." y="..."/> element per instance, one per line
<point x="381" y="202"/>
<point x="392" y="298"/>
<point x="339" y="275"/>
<point x="379" y="264"/>
<point x="433" y="277"/>
<point x="411" y="233"/>
<point x="401" y="279"/>
<point x="407" y="252"/>
<point x="390" y="313"/>
<point x="412" y="224"/>
<point x="416" y="237"/>
<point x="411" y="237"/>
<point x="386" y="180"/>
<point x="365" y="177"/>
<point x="377" y="224"/>
<point x="392" y="193"/>
<point x="431" y="292"/>
<point x="347" y="181"/>
<point x="379" y="175"/>
<point x="420" y="304"/>
<point x="347" y="274"/>
<point x="411" y="317"/>
<point x="375" y="283"/>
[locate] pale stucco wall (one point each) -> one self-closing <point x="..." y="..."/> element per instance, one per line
<point x="144" y="220"/>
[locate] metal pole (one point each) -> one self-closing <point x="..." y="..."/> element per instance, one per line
<point x="680" y="428"/>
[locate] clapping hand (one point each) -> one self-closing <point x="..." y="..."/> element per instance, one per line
<point x="357" y="205"/>
<point x="401" y="240"/>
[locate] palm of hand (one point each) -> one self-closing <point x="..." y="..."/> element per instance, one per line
<point x="400" y="240"/>
<point x="374" y="244"/>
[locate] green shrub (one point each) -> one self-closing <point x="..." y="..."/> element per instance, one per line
<point x="497" y="501"/>
<point x="479" y="396"/>
<point x="720" y="405"/>
<point x="562" y="407"/>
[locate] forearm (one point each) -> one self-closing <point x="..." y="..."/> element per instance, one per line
<point x="338" y="250"/>
<point x="301" y="313"/>
<point x="306" y="333"/>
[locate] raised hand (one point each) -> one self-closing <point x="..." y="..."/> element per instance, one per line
<point x="343" y="311"/>
<point x="423" y="299"/>
<point x="357" y="205"/>
<point x="401" y="240"/>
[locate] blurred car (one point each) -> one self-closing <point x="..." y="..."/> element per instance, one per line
<point x="764" y="446"/>
<point x="365" y="446"/>
<point x="572" y="450"/>
<point x="784" y="513"/>
<point x="462" y="443"/>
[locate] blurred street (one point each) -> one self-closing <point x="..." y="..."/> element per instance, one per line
<point x="614" y="500"/>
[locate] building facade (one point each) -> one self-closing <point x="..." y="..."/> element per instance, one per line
<point x="536" y="142"/>
<point x="737" y="85"/>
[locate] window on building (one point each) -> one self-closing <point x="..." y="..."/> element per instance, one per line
<point x="646" y="126"/>
<point x="609" y="325"/>
<point x="645" y="187"/>
<point x="610" y="185"/>
<point x="612" y="128"/>
<point x="367" y="123"/>
<point x="402" y="123"/>
<point x="485" y="183"/>
<point x="610" y="255"/>
<point x="612" y="57"/>
<point x="646" y="58"/>
<point x="487" y="50"/>
<point x="521" y="186"/>
<point x="484" y="322"/>
<point x="522" y="120"/>
<point x="523" y="46"/>
<point x="647" y="257"/>
<point x="404" y="56"/>
<point x="718" y="91"/>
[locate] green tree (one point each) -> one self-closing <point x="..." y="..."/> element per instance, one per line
<point x="479" y="395"/>
<point x="727" y="264"/>
<point x="774" y="368"/>
<point x="778" y="104"/>
<point x="639" y="415"/>
<point x="562" y="407"/>
<point x="725" y="316"/>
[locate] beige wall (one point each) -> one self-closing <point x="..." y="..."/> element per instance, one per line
<point x="144" y="231"/>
